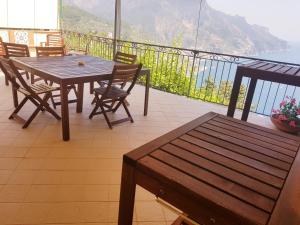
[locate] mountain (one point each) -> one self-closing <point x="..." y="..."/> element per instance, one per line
<point x="163" y="21"/>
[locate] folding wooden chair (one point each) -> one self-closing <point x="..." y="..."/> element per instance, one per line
<point x="111" y="93"/>
<point x="31" y="93"/>
<point x="2" y="54"/>
<point x="55" y="51"/>
<point x="53" y="40"/>
<point x="120" y="57"/>
<point x="16" y="50"/>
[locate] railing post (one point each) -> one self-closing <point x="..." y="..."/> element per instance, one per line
<point x="195" y="53"/>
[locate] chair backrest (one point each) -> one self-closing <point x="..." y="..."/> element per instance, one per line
<point x="125" y="58"/>
<point x="50" y="51"/>
<point x="15" y="50"/>
<point x="2" y="51"/>
<point x="55" y="40"/>
<point x="124" y="74"/>
<point x="13" y="75"/>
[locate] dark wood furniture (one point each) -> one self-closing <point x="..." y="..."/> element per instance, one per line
<point x="55" y="51"/>
<point x="218" y="170"/>
<point x="66" y="71"/>
<point x="53" y="40"/>
<point x="259" y="70"/>
<point x="2" y="54"/>
<point x="111" y="94"/>
<point x="31" y="93"/>
<point x="120" y="57"/>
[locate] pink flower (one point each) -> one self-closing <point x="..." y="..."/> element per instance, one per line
<point x="288" y="97"/>
<point x="283" y="103"/>
<point x="298" y="111"/>
<point x="293" y="101"/>
<point x="292" y="123"/>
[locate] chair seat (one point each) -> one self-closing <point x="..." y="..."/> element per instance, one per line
<point x="113" y="93"/>
<point x="39" y="88"/>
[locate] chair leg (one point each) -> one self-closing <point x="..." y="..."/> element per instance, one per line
<point x="47" y="108"/>
<point x="6" y="80"/>
<point x="34" y="114"/>
<point x="117" y="106"/>
<point x="94" y="110"/>
<point x="105" y="116"/>
<point x="127" y="111"/>
<point x="22" y="103"/>
<point x="31" y="78"/>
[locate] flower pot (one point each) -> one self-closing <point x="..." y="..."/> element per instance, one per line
<point x="283" y="125"/>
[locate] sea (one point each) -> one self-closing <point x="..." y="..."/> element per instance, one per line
<point x="267" y="95"/>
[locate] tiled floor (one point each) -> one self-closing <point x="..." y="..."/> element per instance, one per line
<point x="44" y="180"/>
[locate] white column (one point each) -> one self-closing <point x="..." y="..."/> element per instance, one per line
<point x="117" y="25"/>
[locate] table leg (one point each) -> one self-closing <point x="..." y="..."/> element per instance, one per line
<point x="92" y="87"/>
<point x="147" y="87"/>
<point x="249" y="98"/>
<point x="15" y="95"/>
<point x="65" y="112"/>
<point x="80" y="98"/>
<point x="127" y="195"/>
<point x="234" y="94"/>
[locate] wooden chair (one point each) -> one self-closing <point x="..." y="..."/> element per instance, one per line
<point x="16" y="50"/>
<point x="111" y="93"/>
<point x="120" y="57"/>
<point x="53" y="40"/>
<point x="2" y="54"/>
<point x="55" y="51"/>
<point x="31" y="93"/>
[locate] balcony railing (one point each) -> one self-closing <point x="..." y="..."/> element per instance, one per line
<point x="196" y="74"/>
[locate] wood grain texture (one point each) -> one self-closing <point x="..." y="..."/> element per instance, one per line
<point x="226" y="170"/>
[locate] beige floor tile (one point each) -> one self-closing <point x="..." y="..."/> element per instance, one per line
<point x="41" y="193"/>
<point x="45" y="181"/>
<point x="13" y="193"/>
<point x="31" y="213"/>
<point x="148" y="211"/>
<point x="4" y="176"/>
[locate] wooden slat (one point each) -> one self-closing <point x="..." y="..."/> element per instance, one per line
<point x="247" y="136"/>
<point x="266" y="130"/>
<point x="241" y="167"/>
<point x="268" y="66"/>
<point x="236" y="156"/>
<point x="241" y="150"/>
<point x="252" y="64"/>
<point x="275" y="68"/>
<point x="219" y="169"/>
<point x="284" y="69"/>
<point x="216" y="181"/>
<point x="202" y="191"/>
<point x="291" y="144"/>
<point x="261" y="64"/>
<point x="293" y="71"/>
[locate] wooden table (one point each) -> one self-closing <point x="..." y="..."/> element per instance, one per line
<point x="65" y="71"/>
<point x="274" y="72"/>
<point x="218" y="170"/>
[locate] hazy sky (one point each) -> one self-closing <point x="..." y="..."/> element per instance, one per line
<point x="282" y="17"/>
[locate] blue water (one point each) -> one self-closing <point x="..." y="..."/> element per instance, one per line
<point x="267" y="95"/>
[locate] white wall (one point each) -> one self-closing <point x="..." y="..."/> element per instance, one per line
<point x="29" y="14"/>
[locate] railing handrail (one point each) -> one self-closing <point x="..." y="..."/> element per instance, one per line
<point x="185" y="49"/>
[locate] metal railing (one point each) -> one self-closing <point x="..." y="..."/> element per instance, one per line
<point x="196" y="74"/>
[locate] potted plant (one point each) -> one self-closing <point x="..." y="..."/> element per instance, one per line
<point x="287" y="117"/>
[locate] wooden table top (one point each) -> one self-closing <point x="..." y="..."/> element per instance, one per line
<point x="292" y="70"/>
<point x="242" y="172"/>
<point x="66" y="67"/>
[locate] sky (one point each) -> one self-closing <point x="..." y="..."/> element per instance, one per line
<point x="282" y="17"/>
